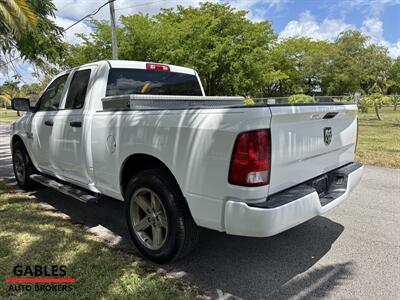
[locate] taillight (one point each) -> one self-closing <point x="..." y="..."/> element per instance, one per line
<point x="251" y="159"/>
<point x="157" y="67"/>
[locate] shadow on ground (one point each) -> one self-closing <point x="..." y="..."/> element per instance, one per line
<point x="249" y="268"/>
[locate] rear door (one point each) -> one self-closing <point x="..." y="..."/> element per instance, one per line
<point x="309" y="140"/>
<point x="71" y="155"/>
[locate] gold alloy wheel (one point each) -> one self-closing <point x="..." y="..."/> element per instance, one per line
<point x="149" y="218"/>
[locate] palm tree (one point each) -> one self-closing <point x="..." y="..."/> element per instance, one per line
<point x="16" y="17"/>
<point x="10" y="90"/>
<point x="5" y="100"/>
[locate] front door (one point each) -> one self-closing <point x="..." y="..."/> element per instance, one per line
<point x="44" y="141"/>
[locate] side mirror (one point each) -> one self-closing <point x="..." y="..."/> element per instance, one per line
<point x="21" y="104"/>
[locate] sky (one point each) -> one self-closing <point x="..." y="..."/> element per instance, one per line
<point x="317" y="19"/>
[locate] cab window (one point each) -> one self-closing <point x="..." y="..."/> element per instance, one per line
<point x="138" y="81"/>
<point x="51" y="97"/>
<point x="77" y="90"/>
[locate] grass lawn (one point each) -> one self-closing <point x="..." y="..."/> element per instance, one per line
<point x="31" y="235"/>
<point x="379" y="141"/>
<point x="8" y="116"/>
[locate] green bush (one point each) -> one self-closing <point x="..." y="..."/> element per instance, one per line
<point x="301" y="98"/>
<point x="362" y="106"/>
<point x="248" y="101"/>
<point x="343" y="100"/>
<point x="395" y="101"/>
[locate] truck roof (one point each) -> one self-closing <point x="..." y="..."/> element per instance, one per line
<point x="132" y="64"/>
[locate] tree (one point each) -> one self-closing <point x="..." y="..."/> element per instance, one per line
<point x="5" y="100"/>
<point x="235" y="56"/>
<point x="95" y="46"/>
<point x="10" y="90"/>
<point x="357" y="66"/>
<point x="17" y="16"/>
<point x="395" y="78"/>
<point x="395" y="101"/>
<point x="304" y="62"/>
<point x="376" y="100"/>
<point x="377" y="64"/>
<point x="25" y="27"/>
<point x="345" y="70"/>
<point x="230" y="53"/>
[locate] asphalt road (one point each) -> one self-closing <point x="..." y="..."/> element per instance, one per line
<point x="350" y="253"/>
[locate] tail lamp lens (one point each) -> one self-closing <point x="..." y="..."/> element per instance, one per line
<point x="157" y="67"/>
<point x="251" y="159"/>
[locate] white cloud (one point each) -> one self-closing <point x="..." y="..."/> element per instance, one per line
<point x="75" y="9"/>
<point x="373" y="7"/>
<point x="68" y="11"/>
<point x="329" y="29"/>
<point x="373" y="27"/>
<point x="70" y="35"/>
<point x="257" y="8"/>
<point x="307" y="26"/>
<point x="250" y="4"/>
<point x="394" y="49"/>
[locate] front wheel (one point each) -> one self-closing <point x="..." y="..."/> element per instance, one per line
<point x="159" y="222"/>
<point x="23" y="167"/>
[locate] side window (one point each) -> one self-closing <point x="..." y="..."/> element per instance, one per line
<point x="51" y="97"/>
<point x="77" y="90"/>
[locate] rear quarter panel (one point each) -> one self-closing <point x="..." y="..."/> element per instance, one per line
<point x="196" y="145"/>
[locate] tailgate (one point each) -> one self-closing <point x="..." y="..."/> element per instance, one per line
<point x="309" y="140"/>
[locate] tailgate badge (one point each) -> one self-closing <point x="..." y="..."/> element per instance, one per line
<point x="327" y="135"/>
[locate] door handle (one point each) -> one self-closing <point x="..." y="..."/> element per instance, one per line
<point x="75" y="124"/>
<point x="49" y="122"/>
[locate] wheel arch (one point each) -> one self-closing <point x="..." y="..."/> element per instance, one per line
<point x="16" y="138"/>
<point x="138" y="162"/>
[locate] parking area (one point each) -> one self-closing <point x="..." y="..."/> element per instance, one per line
<point x="350" y="253"/>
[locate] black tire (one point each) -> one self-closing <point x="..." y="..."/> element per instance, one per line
<point x="23" y="167"/>
<point x="182" y="234"/>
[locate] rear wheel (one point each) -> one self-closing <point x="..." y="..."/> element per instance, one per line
<point x="22" y="166"/>
<point x="159" y="222"/>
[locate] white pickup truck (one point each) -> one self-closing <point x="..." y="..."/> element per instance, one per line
<point x="146" y="134"/>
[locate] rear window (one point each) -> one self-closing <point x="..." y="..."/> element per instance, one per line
<point x="149" y="82"/>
